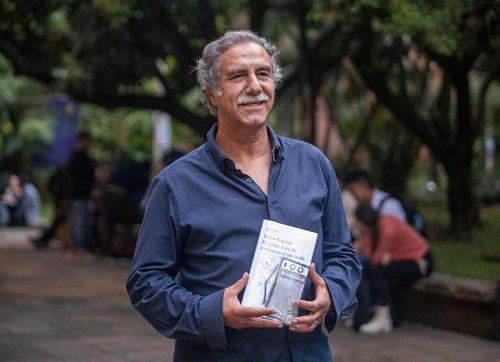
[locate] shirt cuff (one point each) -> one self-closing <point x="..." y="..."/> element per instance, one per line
<point x="332" y="318"/>
<point x="211" y="320"/>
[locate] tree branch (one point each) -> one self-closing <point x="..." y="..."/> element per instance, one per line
<point x="23" y="66"/>
<point x="200" y="124"/>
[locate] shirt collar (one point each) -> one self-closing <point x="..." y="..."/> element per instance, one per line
<point x="224" y="162"/>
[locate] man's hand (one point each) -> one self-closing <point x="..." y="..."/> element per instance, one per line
<point x="238" y="316"/>
<point x="318" y="308"/>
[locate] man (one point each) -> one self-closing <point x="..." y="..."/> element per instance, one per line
<point x="204" y="215"/>
<point x="359" y="183"/>
<point x="57" y="186"/>
<point x="80" y="171"/>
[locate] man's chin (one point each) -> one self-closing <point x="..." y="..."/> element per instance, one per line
<point x="257" y="120"/>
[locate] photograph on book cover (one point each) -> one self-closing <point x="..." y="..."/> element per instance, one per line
<point x="279" y="269"/>
<point x="289" y="281"/>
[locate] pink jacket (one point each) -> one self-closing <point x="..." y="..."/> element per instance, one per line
<point x="398" y="238"/>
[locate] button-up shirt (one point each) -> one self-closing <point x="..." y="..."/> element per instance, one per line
<point x="198" y="237"/>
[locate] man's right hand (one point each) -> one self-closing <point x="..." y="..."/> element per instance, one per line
<point x="238" y="316"/>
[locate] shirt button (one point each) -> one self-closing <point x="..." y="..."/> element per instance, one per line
<point x="249" y="180"/>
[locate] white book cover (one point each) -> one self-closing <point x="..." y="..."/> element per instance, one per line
<point x="279" y="269"/>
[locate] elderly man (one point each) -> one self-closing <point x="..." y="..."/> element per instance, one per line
<point x="204" y="215"/>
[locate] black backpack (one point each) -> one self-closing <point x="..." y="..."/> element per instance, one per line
<point x="413" y="216"/>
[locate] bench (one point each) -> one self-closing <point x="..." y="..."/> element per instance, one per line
<point x="455" y="303"/>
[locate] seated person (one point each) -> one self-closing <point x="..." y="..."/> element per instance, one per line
<point x="11" y="199"/>
<point x="396" y="253"/>
<point x="22" y="200"/>
<point x="31" y="203"/>
<point x="359" y="182"/>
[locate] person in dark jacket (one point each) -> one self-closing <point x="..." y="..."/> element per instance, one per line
<point x="57" y="186"/>
<point x="80" y="172"/>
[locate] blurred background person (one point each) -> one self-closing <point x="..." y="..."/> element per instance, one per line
<point x="11" y="199"/>
<point x="21" y="199"/>
<point x="58" y="187"/>
<point x="80" y="171"/>
<point x="31" y="202"/>
<point x="120" y="205"/>
<point x="396" y="253"/>
<point x="359" y="182"/>
<point x="102" y="177"/>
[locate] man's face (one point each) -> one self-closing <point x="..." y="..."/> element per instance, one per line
<point x="361" y="191"/>
<point x="246" y="86"/>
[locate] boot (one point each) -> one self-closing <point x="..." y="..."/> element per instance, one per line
<point x="381" y="321"/>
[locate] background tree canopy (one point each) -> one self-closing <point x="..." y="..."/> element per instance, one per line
<point x="392" y="75"/>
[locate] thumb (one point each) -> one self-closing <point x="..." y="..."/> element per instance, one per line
<point x="312" y="271"/>
<point x="240" y="284"/>
<point x="313" y="275"/>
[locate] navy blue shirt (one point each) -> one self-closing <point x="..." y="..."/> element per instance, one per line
<point x="198" y="236"/>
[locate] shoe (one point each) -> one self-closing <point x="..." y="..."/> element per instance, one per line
<point x="380" y="323"/>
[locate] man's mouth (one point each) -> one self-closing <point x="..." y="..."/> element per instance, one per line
<point x="252" y="104"/>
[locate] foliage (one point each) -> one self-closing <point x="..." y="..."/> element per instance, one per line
<point x="123" y="131"/>
<point x="26" y="128"/>
<point x="416" y="59"/>
<point x="479" y="257"/>
<point x="128" y="132"/>
<point x="425" y="78"/>
<point x="24" y="124"/>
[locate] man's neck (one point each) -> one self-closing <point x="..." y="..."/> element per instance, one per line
<point x="244" y="147"/>
<point x="251" y="153"/>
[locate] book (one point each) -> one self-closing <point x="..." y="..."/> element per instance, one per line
<point x="279" y="269"/>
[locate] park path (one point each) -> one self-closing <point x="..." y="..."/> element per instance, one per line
<point x="55" y="308"/>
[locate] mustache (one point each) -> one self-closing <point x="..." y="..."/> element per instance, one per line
<point x="246" y="99"/>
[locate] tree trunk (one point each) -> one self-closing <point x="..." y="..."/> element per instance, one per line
<point x="396" y="165"/>
<point x="462" y="201"/>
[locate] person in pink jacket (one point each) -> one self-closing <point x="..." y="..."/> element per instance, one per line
<point x="396" y="253"/>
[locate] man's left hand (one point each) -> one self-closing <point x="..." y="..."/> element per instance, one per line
<point x="318" y="308"/>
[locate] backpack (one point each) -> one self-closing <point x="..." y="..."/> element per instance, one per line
<point x="413" y="216"/>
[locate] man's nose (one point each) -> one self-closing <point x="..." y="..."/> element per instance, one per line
<point x="253" y="84"/>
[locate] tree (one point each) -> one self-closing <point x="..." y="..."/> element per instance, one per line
<point x="24" y="133"/>
<point x="113" y="54"/>
<point x="119" y="54"/>
<point x="442" y="45"/>
<point x="416" y="57"/>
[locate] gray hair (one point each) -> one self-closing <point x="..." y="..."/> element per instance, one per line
<point x="208" y="66"/>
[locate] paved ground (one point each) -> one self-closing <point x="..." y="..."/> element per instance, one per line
<point x="55" y="308"/>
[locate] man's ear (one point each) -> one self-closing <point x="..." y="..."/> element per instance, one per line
<point x="212" y="96"/>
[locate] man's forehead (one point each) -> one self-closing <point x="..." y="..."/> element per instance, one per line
<point x="245" y="51"/>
